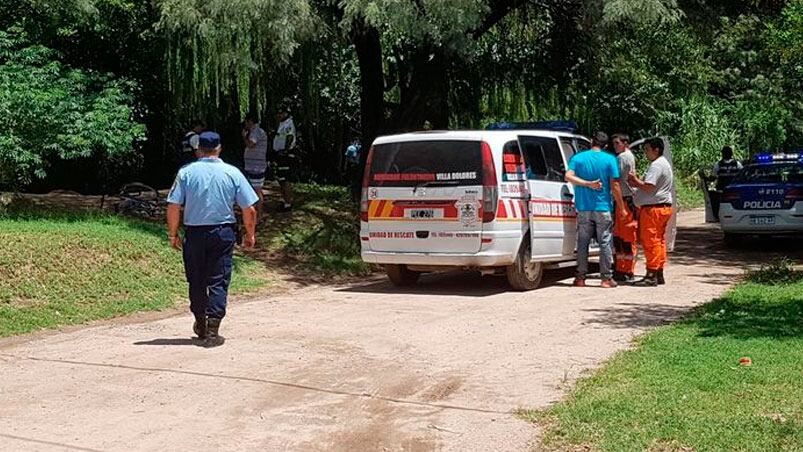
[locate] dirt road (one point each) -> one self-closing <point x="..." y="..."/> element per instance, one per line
<point x="362" y="367"/>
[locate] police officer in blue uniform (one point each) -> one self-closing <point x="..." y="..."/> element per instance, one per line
<point x="207" y="190"/>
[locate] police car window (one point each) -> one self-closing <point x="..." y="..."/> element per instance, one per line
<point x="408" y="164"/>
<point x="775" y="173"/>
<point x="513" y="162"/>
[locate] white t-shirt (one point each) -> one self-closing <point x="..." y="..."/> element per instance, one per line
<point x="627" y="164"/>
<point x="660" y="175"/>
<point x="256" y="157"/>
<point x="286" y="128"/>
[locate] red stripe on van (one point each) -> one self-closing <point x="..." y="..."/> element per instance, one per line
<point x="502" y="210"/>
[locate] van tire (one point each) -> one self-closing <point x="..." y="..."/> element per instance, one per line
<point x="523" y="274"/>
<point x="401" y="276"/>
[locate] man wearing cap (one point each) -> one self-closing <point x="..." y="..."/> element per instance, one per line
<point x="207" y="190"/>
<point x="595" y="175"/>
<point x="283" y="155"/>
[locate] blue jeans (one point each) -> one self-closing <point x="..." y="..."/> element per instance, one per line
<point x="599" y="224"/>
<point x="208" y="264"/>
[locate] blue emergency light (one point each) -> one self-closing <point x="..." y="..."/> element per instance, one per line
<point x="769" y="158"/>
<point x="554" y="126"/>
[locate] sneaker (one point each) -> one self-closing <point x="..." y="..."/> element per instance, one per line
<point x="579" y="282"/>
<point x="608" y="284"/>
<point x="659" y="277"/>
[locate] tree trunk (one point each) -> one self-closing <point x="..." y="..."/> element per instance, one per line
<point x="425" y="96"/>
<point x="369" y="55"/>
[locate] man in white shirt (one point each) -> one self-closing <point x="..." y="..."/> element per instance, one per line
<point x="255" y="156"/>
<point x="283" y="156"/>
<point x="653" y="196"/>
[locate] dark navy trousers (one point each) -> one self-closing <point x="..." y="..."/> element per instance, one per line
<point x="208" y="264"/>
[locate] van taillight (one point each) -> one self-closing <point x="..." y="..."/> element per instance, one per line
<point x="490" y="191"/>
<point x="366" y="179"/>
<point x="730" y="196"/>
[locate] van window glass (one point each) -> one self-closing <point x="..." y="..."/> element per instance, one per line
<point x="434" y="163"/>
<point x="513" y="163"/>
<point x="543" y="158"/>
<point x="583" y="145"/>
<point x="556" y="170"/>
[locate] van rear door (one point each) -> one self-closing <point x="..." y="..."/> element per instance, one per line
<point x="425" y="197"/>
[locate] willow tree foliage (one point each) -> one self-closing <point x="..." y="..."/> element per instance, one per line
<point x="227" y="48"/>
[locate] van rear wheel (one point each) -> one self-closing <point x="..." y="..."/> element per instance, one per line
<point x="401" y="276"/>
<point x="524" y="274"/>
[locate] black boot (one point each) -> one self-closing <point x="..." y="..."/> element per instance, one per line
<point x="659" y="277"/>
<point x="626" y="278"/>
<point x="199" y="326"/>
<point x="650" y="280"/>
<point x="213" y="338"/>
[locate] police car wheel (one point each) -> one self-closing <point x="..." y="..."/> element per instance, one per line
<point x="731" y="239"/>
<point x="524" y="274"/>
<point x="401" y="276"/>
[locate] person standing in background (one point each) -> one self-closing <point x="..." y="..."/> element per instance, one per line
<point x="189" y="144"/>
<point x="255" y="157"/>
<point x="284" y="156"/>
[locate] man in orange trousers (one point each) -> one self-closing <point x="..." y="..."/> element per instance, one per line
<point x="625" y="227"/>
<point x="653" y="197"/>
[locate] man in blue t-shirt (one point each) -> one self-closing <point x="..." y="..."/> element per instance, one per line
<point x="595" y="174"/>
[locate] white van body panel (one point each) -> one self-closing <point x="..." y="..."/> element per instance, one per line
<point x="407" y="225"/>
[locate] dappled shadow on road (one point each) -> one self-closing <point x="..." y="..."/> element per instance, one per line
<point x="705" y="246"/>
<point x="636" y="315"/>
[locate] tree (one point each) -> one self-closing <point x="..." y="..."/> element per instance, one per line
<point x="49" y="111"/>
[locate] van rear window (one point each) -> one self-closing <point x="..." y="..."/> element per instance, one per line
<point x="426" y="162"/>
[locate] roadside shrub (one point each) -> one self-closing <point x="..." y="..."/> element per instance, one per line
<point x="778" y="272"/>
<point x="49" y="111"/>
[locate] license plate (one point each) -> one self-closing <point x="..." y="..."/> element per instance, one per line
<point x="423" y="214"/>
<point x="762" y="220"/>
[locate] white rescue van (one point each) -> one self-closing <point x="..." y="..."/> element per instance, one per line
<point x="492" y="200"/>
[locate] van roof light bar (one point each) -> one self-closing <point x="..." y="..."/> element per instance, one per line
<point x="555" y="126"/>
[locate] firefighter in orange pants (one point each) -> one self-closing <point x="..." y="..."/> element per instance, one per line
<point x="625" y="227"/>
<point x="653" y="197"/>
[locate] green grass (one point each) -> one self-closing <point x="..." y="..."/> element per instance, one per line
<point x="689" y="196"/>
<point x="682" y="387"/>
<point x="61" y="268"/>
<point x="322" y="233"/>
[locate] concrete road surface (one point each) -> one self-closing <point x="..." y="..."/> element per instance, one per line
<point x="364" y="367"/>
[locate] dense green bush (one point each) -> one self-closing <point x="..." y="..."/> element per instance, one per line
<point x="50" y="111"/>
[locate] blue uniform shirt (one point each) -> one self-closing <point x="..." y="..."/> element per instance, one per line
<point x="208" y="189"/>
<point x="592" y="165"/>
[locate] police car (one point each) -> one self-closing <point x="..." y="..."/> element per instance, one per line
<point x="765" y="198"/>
